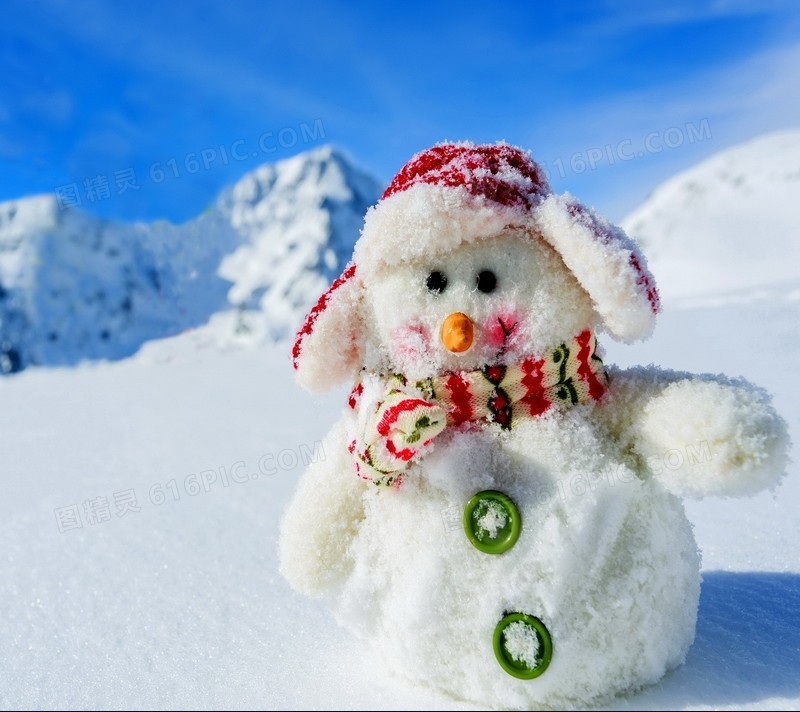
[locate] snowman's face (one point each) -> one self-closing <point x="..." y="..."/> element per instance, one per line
<point x="492" y="301"/>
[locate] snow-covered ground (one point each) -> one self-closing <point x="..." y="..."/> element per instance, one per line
<point x="177" y="602"/>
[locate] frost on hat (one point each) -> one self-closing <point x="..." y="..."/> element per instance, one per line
<point x="448" y="195"/>
<point x="457" y="193"/>
<point x="606" y="262"/>
<point x="500" y="173"/>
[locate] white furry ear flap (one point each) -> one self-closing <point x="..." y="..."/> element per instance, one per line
<point x="606" y="262"/>
<point x="327" y="349"/>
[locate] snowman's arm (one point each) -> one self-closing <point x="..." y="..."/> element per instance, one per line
<point x="322" y="519"/>
<point x="697" y="434"/>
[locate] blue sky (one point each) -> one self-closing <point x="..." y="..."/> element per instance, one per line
<point x="182" y="98"/>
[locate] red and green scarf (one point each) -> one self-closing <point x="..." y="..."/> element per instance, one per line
<point x="402" y="425"/>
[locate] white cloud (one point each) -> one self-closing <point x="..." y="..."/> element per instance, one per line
<point x="627" y="15"/>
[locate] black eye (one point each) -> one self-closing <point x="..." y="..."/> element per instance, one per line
<point x="486" y="281"/>
<point x="436" y="282"/>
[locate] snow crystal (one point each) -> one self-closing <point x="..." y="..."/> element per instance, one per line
<point x="522" y="643"/>
<point x="490" y="517"/>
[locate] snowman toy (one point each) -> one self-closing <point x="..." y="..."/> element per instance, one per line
<point x="494" y="511"/>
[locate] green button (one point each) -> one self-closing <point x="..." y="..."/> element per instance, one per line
<point x="492" y="522"/>
<point x="522" y="645"/>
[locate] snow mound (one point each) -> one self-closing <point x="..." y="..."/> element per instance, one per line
<point x="728" y="223"/>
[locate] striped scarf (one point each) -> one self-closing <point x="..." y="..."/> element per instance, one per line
<point x="401" y="426"/>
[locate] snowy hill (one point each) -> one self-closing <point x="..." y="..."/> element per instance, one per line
<point x="73" y="287"/>
<point x="729" y="223"/>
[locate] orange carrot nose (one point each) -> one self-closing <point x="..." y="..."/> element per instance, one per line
<point x="457" y="332"/>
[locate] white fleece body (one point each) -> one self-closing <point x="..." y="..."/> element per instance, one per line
<point x="606" y="558"/>
<point x="607" y="561"/>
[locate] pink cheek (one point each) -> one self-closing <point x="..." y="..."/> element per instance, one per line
<point x="411" y="340"/>
<point x="502" y="328"/>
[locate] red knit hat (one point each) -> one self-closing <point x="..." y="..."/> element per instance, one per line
<point x="457" y="193"/>
<point x="501" y="173"/>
